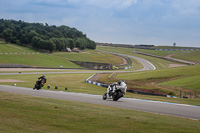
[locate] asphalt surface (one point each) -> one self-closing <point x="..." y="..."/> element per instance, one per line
<point x="164" y="108"/>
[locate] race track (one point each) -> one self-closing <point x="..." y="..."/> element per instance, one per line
<point x="164" y="108"/>
<point x="172" y="109"/>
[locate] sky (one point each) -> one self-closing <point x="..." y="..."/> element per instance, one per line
<point x="152" y="22"/>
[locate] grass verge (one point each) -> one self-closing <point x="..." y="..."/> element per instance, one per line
<point x="20" y="113"/>
<point x="74" y="82"/>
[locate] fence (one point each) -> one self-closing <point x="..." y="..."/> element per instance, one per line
<point x="178" y="49"/>
<point x="14" y="66"/>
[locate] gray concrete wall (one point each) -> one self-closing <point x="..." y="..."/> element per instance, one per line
<point x="94" y="66"/>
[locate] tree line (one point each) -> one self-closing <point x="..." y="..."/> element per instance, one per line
<point x="43" y="36"/>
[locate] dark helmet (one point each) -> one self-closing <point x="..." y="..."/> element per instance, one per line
<point x="122" y="81"/>
<point x="43" y="76"/>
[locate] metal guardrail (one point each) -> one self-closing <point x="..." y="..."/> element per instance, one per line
<point x="14" y="66"/>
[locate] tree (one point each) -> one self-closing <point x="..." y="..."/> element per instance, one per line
<point x="81" y="43"/>
<point x="90" y="44"/>
<point x="51" y="46"/>
<point x="41" y="35"/>
<point x="71" y="43"/>
<point x="7" y="34"/>
<point x="35" y="42"/>
<point x="32" y="34"/>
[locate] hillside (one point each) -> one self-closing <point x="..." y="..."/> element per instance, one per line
<point x="15" y="54"/>
<point x="42" y="36"/>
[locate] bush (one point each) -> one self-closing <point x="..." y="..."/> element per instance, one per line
<point x="172" y="93"/>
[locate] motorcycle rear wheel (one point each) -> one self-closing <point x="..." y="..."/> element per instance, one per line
<point x="117" y="96"/>
<point x="105" y="96"/>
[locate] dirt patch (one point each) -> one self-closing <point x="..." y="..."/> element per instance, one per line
<point x="169" y="56"/>
<point x="176" y="65"/>
<point x="15" y="47"/>
<point x="10" y="80"/>
<point x="124" y="61"/>
<point x="96" y="77"/>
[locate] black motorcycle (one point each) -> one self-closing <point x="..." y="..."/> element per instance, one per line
<point x="39" y="84"/>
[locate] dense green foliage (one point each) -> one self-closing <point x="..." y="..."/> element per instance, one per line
<point x="42" y="36"/>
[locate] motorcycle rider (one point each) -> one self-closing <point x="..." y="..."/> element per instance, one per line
<point x="43" y="78"/>
<point x="122" y="86"/>
<point x="119" y="85"/>
<point x="112" y="88"/>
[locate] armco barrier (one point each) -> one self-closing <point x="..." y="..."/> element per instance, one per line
<point x="189" y="49"/>
<point x="128" y="67"/>
<point x="171" y="96"/>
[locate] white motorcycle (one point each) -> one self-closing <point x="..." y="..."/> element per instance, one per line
<point x="115" y="91"/>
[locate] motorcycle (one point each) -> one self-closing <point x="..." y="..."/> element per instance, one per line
<point x="39" y="84"/>
<point x="114" y="92"/>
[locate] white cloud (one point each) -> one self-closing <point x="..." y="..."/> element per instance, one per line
<point x="47" y="1"/>
<point x="120" y="4"/>
<point x="187" y="7"/>
<point x="116" y="4"/>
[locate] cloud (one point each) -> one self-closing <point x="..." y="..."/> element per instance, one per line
<point x="114" y="4"/>
<point x="115" y="21"/>
<point x="187" y="7"/>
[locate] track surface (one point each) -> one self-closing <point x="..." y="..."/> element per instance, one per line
<point x="179" y="110"/>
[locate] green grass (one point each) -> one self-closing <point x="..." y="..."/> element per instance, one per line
<point x="159" y="63"/>
<point x="20" y="113"/>
<point x="8" y="56"/>
<point x="188" y="76"/>
<point x="189" y="55"/>
<point x="91" y="56"/>
<point x="74" y="82"/>
<point x="191" y="82"/>
<point x="14" y="48"/>
<point x="185" y="79"/>
<point x="37" y="60"/>
<point x="172" y="72"/>
<point x="184" y="55"/>
<point x="128" y="76"/>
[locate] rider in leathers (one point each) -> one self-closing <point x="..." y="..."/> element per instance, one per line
<point x="122" y="86"/>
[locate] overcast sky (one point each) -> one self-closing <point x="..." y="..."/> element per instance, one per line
<point x="158" y="22"/>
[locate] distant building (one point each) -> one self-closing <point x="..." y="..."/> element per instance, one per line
<point x="68" y="50"/>
<point x="75" y="49"/>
